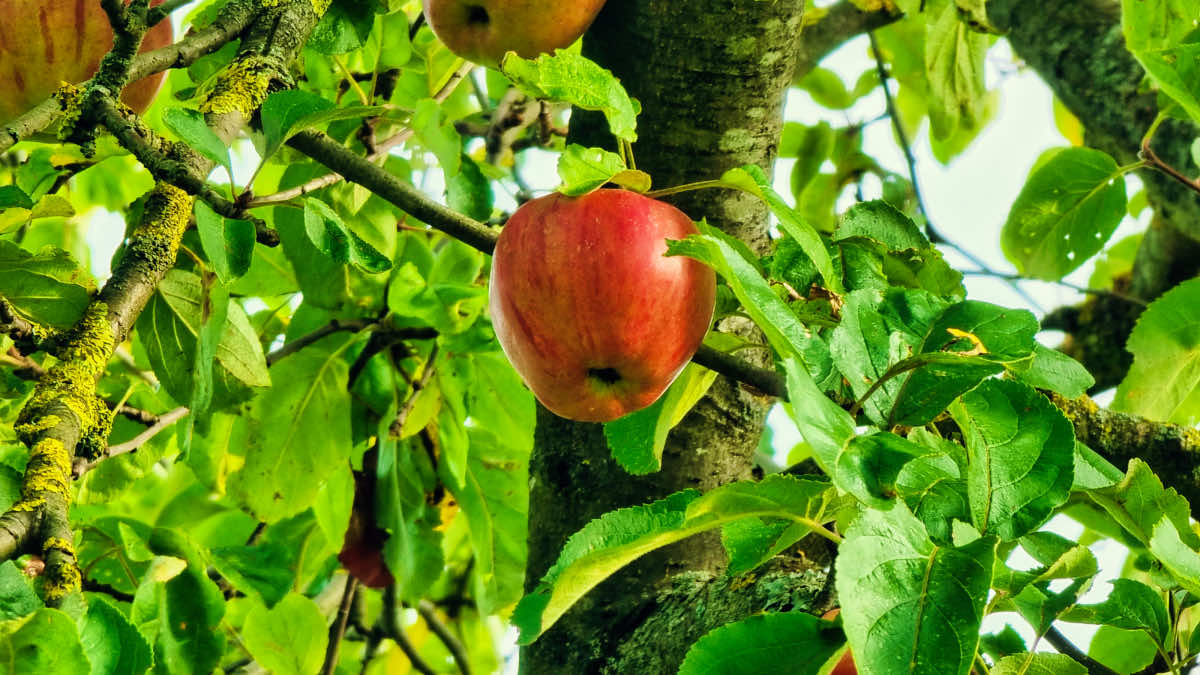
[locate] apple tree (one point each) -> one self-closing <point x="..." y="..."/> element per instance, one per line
<point x="256" y="417"/>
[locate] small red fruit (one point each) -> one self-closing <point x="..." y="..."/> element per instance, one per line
<point x="592" y="315"/>
<point x="44" y="43"/>
<point x="484" y="30"/>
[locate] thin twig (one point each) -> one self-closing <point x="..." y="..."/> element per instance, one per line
<point x="1065" y="284"/>
<point x="1156" y="162"/>
<point x="166" y="420"/>
<point x="401" y="417"/>
<point x="429" y="613"/>
<point x="335" y="326"/>
<point x="338" y="630"/>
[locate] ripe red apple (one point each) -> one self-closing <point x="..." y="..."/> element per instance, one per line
<point x="44" y="43"/>
<point x="484" y="30"/>
<point x="592" y="315"/>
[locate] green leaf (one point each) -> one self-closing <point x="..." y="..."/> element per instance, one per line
<point x="1038" y="664"/>
<point x="1117" y="261"/>
<point x="1131" y="605"/>
<point x="1177" y="73"/>
<point x="826" y="427"/>
<point x="47" y="288"/>
<point x="288" y="112"/>
<point x="1157" y="24"/>
<point x="827" y="89"/>
<point x="181" y="617"/>
<point x="1125" y="651"/>
<point x="1163" y="384"/>
<point x="583" y="170"/>
<point x="868" y="466"/>
<point x="290" y="638"/>
<point x="43" y="642"/>
<point x="12" y="196"/>
<point x="343" y="28"/>
<point x="1092" y="471"/>
<point x="617" y="538"/>
<point x="908" y="601"/>
<point x="296" y="431"/>
<point x="436" y="132"/>
<point x="751" y="178"/>
<point x="752" y="541"/>
<point x="954" y="60"/>
<point x="968" y="342"/>
<point x="572" y="78"/>
<point x="881" y="222"/>
<point x="112" y="644"/>
<point x="1064" y="214"/>
<point x="228" y="243"/>
<point x="334" y="238"/>
<point x="1060" y="557"/>
<point x="413" y="551"/>
<point x="17" y="598"/>
<point x="783" y="329"/>
<point x="1054" y="370"/>
<point x="499" y="402"/>
<point x="1177" y="556"/>
<point x="761" y="643"/>
<point x="259" y="571"/>
<point x="637" y="439"/>
<point x="214" y="310"/>
<point x="169" y="327"/>
<point x="1140" y="501"/>
<point x="470" y="192"/>
<point x="190" y="127"/>
<point x="1022" y="456"/>
<point x="495" y="502"/>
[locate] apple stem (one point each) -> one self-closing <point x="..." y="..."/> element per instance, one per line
<point x="627" y="154"/>
<point x="688" y="187"/>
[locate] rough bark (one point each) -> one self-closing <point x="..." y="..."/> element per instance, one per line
<point x="710" y="75"/>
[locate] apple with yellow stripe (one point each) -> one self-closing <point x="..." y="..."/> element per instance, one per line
<point x="44" y="43"/>
<point x="592" y="315"/>
<point x="483" y="31"/>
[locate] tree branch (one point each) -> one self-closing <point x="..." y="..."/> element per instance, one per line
<point x="357" y="169"/>
<point x="429" y="613"/>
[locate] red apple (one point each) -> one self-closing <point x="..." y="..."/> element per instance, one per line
<point x="362" y="551"/>
<point x="845" y="665"/>
<point x="484" y="30"/>
<point x="46" y="42"/>
<point x="592" y="315"/>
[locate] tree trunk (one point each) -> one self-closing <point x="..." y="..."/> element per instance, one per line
<point x="711" y="76"/>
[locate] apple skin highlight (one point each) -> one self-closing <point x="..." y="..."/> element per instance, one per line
<point x="483" y="31"/>
<point x="591" y="314"/>
<point x="45" y="43"/>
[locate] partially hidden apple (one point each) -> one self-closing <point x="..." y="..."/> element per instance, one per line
<point x="44" y="43"/>
<point x="592" y="315"/>
<point x="845" y="665"/>
<point x="362" y="549"/>
<point x="484" y="30"/>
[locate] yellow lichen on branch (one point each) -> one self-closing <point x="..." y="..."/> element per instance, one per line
<point x="242" y="87"/>
<point x="64" y="576"/>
